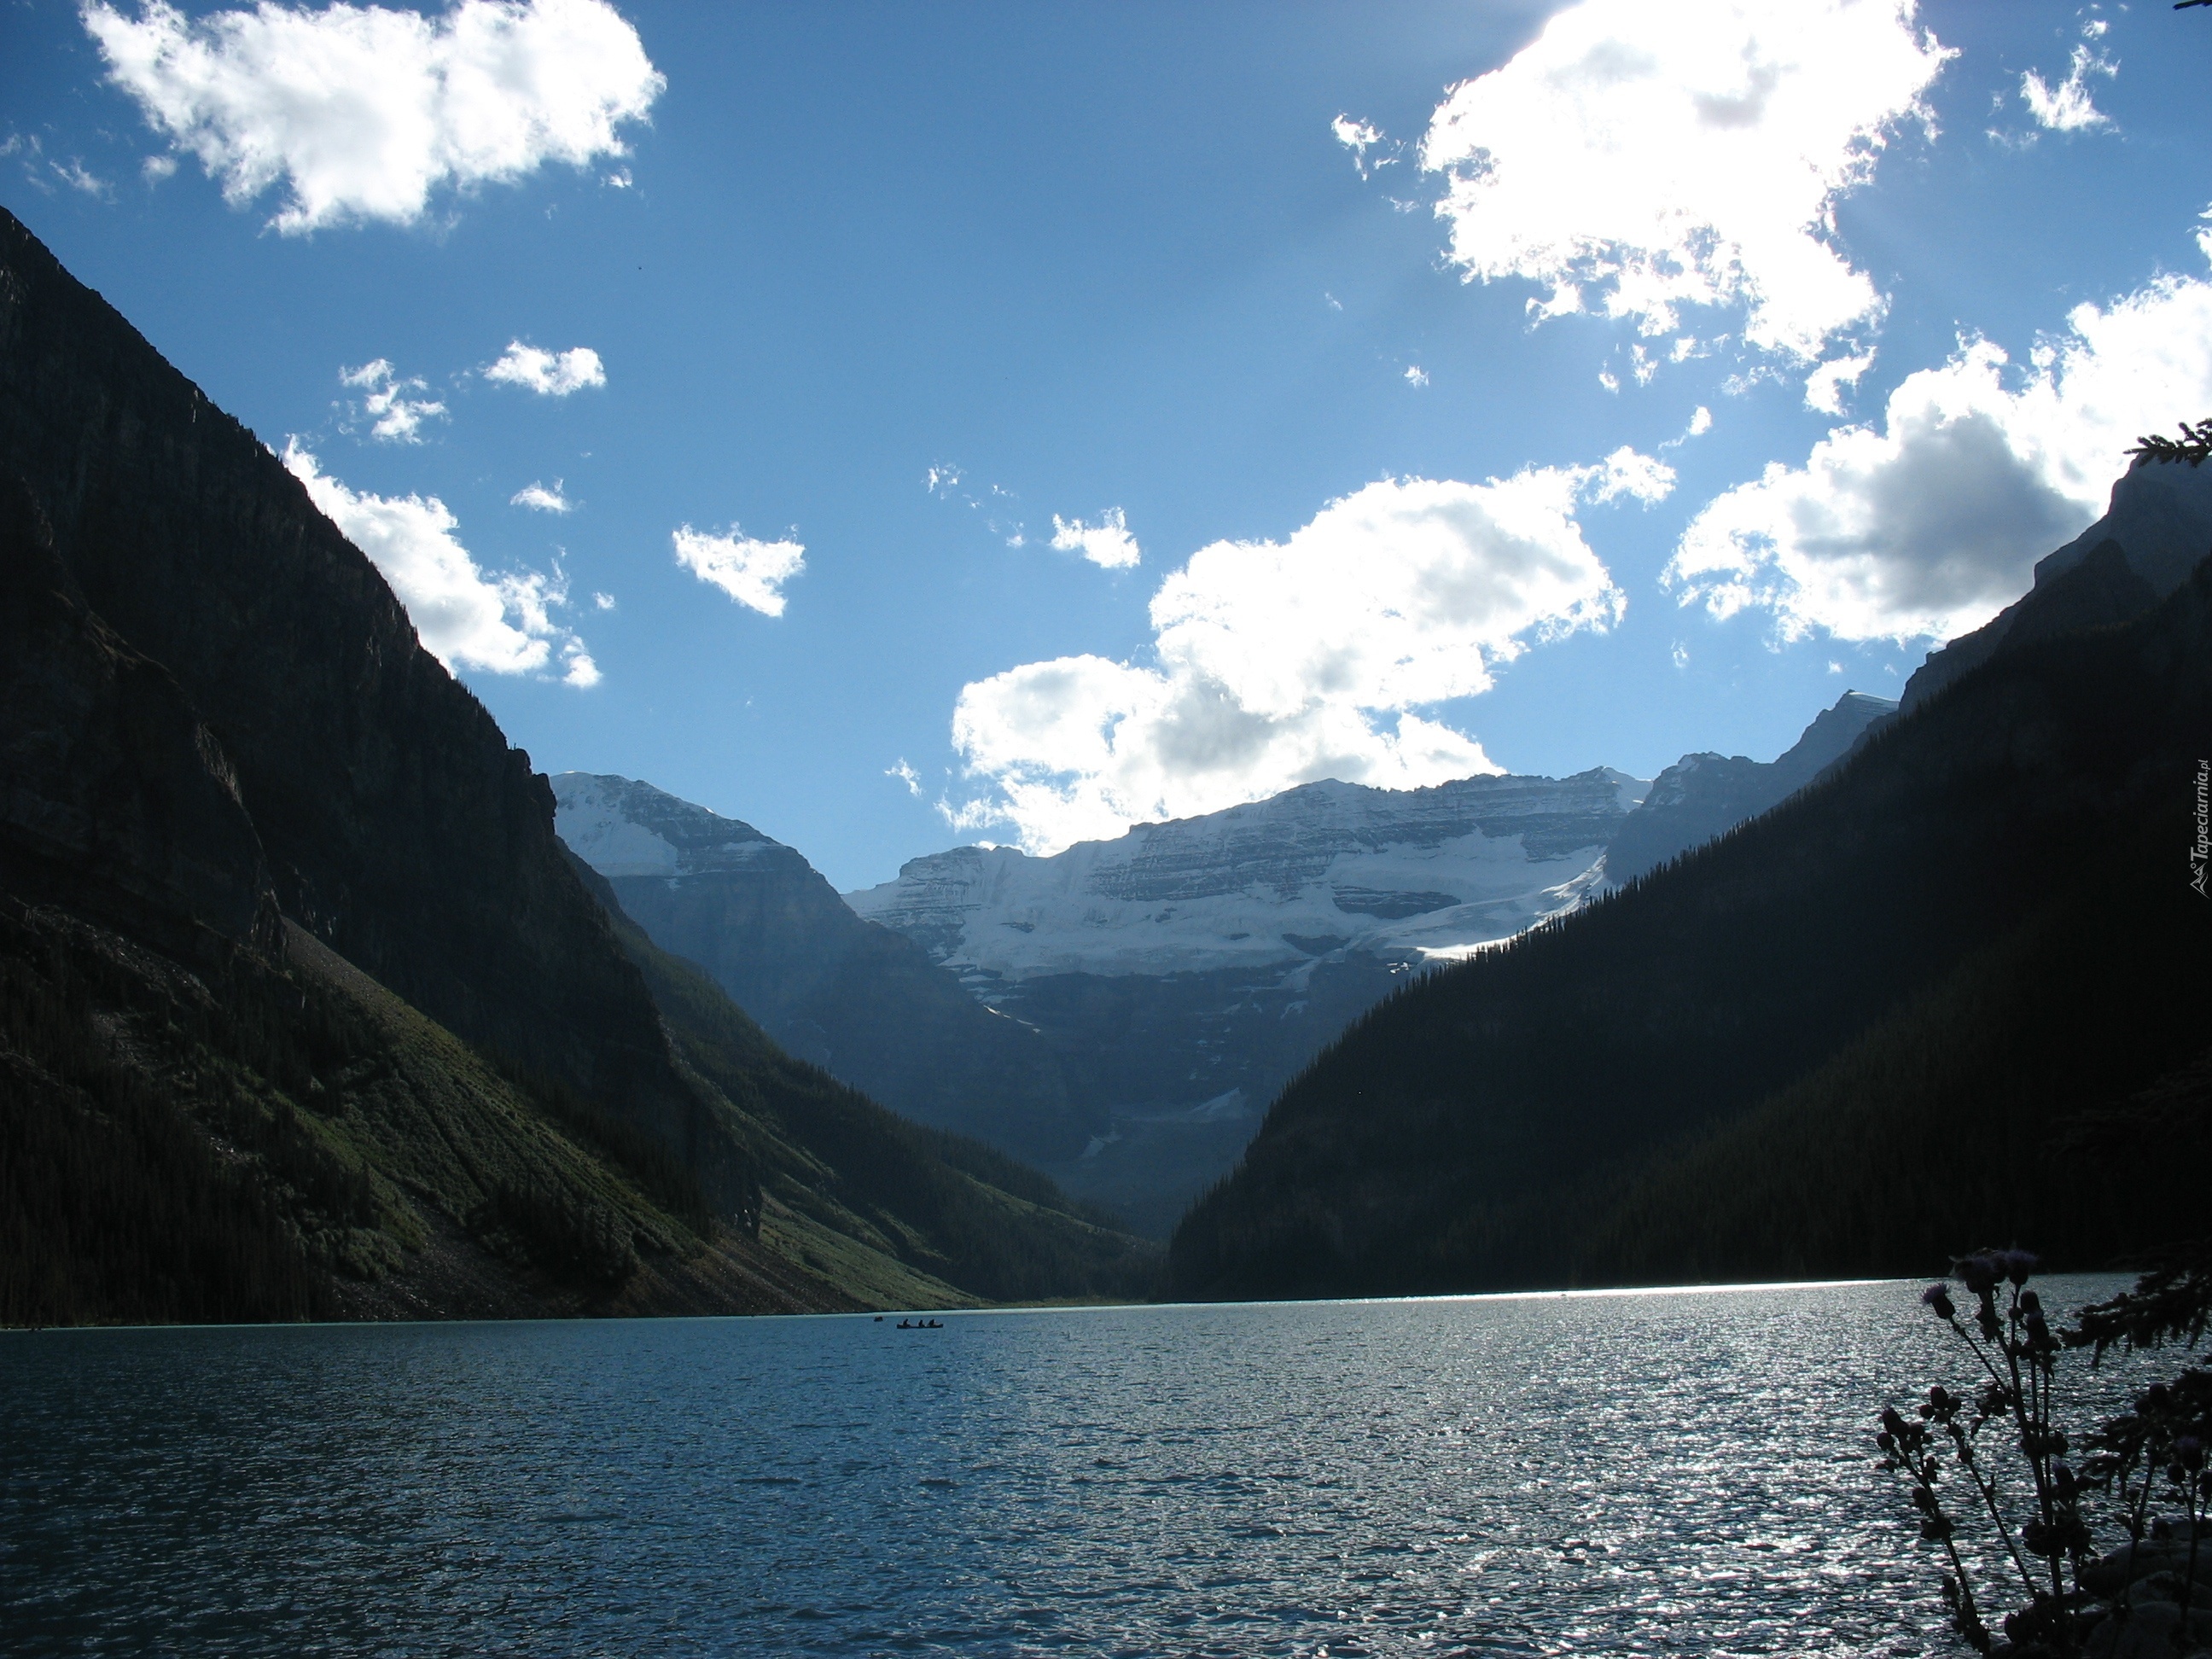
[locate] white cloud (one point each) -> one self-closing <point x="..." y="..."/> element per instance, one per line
<point x="2066" y="107"/>
<point x="77" y="176"/>
<point x="750" y="572"/>
<point x="1625" y="472"/>
<point x="395" y="416"/>
<point x="360" y="112"/>
<point x="1274" y="663"/>
<point x="906" y="775"/>
<point x="1358" y="137"/>
<point x="158" y="168"/>
<point x="1824" y="387"/>
<point x="1107" y="544"/>
<point x="1637" y="158"/>
<point x="1701" y="422"/>
<point x="538" y="497"/>
<point x="603" y="601"/>
<point x="466" y="618"/>
<point x="549" y="373"/>
<point x="1931" y="523"/>
<point x="1416" y="375"/>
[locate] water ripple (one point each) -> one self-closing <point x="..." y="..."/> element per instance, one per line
<point x="1591" y="1475"/>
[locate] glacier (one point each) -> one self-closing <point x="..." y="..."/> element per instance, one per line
<point x="1323" y="871"/>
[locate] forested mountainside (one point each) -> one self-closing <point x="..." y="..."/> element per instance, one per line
<point x="305" y="1010"/>
<point x="1918" y="1002"/>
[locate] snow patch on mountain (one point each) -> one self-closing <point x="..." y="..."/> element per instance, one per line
<point x="1411" y="876"/>
<point x="624" y="827"/>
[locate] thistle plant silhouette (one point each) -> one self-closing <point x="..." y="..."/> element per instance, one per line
<point x="2095" y="1534"/>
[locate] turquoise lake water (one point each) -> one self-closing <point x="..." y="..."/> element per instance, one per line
<point x="1679" y="1473"/>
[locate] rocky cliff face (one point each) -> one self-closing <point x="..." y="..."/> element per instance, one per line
<point x="860" y="1001"/>
<point x="115" y="797"/>
<point x="236" y="710"/>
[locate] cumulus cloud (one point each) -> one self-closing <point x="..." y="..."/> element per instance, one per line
<point x="360" y="113"/>
<point x="1279" y="663"/>
<point x="548" y="374"/>
<point x="750" y="571"/>
<point x="394" y="413"/>
<point x="1625" y="472"/>
<point x="906" y="775"/>
<point x="1930" y="523"/>
<point x="1107" y="544"/>
<point x="2067" y="106"/>
<point x="1416" y="375"/>
<point x="1824" y="387"/>
<point x="466" y="618"/>
<point x="1637" y="158"/>
<point x="539" y="499"/>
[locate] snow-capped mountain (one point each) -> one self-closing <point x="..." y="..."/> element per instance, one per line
<point x="1131" y="1006"/>
<point x="1324" y="870"/>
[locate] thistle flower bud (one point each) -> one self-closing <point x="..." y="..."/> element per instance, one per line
<point x="1979" y="1273"/>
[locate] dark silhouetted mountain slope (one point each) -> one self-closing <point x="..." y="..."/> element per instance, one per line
<point x="2156" y="528"/>
<point x="1704" y="795"/>
<point x="304" y="1009"/>
<point x="857" y="1000"/>
<point x="838" y="1169"/>
<point x="1466" y="1132"/>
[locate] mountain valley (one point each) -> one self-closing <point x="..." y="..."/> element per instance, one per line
<point x="308" y="1012"/>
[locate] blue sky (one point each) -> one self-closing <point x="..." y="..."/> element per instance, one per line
<point x="1095" y="267"/>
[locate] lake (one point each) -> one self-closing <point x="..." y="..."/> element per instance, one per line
<point x="1657" y="1472"/>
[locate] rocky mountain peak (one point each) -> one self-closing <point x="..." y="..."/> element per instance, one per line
<point x="620" y="826"/>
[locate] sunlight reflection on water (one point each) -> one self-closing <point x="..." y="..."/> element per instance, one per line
<point x="1595" y="1474"/>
